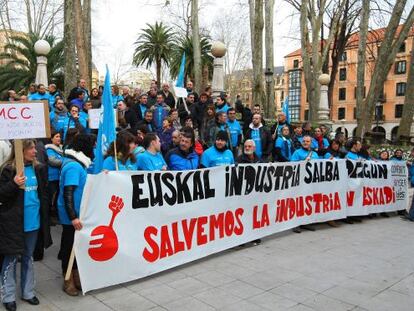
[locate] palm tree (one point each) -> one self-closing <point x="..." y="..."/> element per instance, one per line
<point x="185" y="45"/>
<point x="154" y="45"/>
<point x="19" y="58"/>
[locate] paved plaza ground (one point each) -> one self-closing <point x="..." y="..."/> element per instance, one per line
<point x="365" y="266"/>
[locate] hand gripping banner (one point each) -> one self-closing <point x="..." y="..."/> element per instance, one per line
<point x="139" y="223"/>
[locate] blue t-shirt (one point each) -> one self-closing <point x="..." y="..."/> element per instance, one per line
<point x="285" y="145"/>
<point x="38" y="96"/>
<point x="147" y="161"/>
<point x="222" y="109"/>
<point x="60" y="121"/>
<point x="213" y="157"/>
<point x="315" y="144"/>
<point x="328" y="156"/>
<point x="31" y="200"/>
<point x="235" y="131"/>
<point x="52" y="171"/>
<point x="109" y="164"/>
<point x="352" y="156"/>
<point x="115" y="99"/>
<point x="255" y="135"/>
<point x="70" y="123"/>
<point x="301" y="155"/>
<point x="143" y="109"/>
<point x="72" y="174"/>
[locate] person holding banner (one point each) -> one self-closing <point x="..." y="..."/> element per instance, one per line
<point x="305" y="153"/>
<point x="125" y="158"/>
<point x="72" y="181"/>
<point x="24" y="216"/>
<point x="184" y="157"/>
<point x="151" y="159"/>
<point x="218" y="154"/>
<point x="354" y="149"/>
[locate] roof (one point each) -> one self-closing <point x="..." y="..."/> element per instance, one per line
<point x="376" y="35"/>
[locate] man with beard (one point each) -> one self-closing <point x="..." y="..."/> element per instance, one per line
<point x="41" y="94"/>
<point x="168" y="96"/>
<point x="183" y="157"/>
<point x="58" y="116"/>
<point x="218" y="154"/>
<point x="261" y="137"/>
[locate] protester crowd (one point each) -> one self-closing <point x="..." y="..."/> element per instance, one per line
<point x="155" y="131"/>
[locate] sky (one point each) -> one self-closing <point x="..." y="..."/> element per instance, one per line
<point x="116" y="24"/>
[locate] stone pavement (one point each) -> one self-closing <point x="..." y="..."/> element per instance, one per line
<point x="366" y="266"/>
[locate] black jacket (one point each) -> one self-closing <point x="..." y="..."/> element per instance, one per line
<point x="11" y="211"/>
<point x="169" y="100"/>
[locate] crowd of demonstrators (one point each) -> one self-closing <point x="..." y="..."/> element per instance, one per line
<point x="155" y="131"/>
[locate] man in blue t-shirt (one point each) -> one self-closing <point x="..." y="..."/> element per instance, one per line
<point x="305" y="153"/>
<point x="218" y="154"/>
<point x="235" y="131"/>
<point x="353" y="153"/>
<point x="41" y="94"/>
<point x="151" y="159"/>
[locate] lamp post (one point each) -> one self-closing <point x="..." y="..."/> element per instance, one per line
<point x="323" y="109"/>
<point x="269" y="82"/>
<point x="343" y="129"/>
<point x="218" y="50"/>
<point x="42" y="48"/>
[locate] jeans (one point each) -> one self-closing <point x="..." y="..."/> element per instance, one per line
<point x="8" y="271"/>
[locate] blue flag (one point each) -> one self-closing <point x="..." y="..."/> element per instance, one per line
<point x="106" y="132"/>
<point x="285" y="109"/>
<point x="180" y="78"/>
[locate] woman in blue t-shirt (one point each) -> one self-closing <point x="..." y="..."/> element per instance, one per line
<point x="125" y="158"/>
<point x="72" y="181"/>
<point x="24" y="215"/>
<point x="54" y="162"/>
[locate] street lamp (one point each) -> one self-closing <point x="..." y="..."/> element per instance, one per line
<point x="269" y="79"/>
<point x="42" y="48"/>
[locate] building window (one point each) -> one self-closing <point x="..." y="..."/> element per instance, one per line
<point x="400" y="67"/>
<point x="342" y="93"/>
<point x="398" y="110"/>
<point x="343" y="57"/>
<point x="355" y="112"/>
<point x="342" y="74"/>
<point x="296" y="63"/>
<point x="294" y="94"/>
<point x="341" y="113"/>
<point x="306" y="115"/>
<point x="402" y="48"/>
<point x="282" y="96"/>
<point x="379" y="112"/>
<point x="400" y="89"/>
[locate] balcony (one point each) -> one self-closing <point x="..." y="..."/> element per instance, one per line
<point x="380" y="118"/>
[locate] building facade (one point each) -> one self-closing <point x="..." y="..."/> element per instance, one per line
<point x="240" y="83"/>
<point x="389" y="108"/>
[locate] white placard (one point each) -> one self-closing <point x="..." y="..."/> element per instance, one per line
<point x="95" y="114"/>
<point x="21" y="120"/>
<point x="180" y="92"/>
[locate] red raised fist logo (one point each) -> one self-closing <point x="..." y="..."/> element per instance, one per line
<point x="105" y="247"/>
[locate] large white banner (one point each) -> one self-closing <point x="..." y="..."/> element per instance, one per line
<point x="139" y="223"/>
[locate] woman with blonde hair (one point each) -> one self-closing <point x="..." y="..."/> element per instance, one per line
<point x="23" y="216"/>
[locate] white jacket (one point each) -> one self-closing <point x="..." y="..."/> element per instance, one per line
<point x="5" y="149"/>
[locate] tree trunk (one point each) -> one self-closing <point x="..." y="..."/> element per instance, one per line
<point x="158" y="69"/>
<point x="257" y="52"/>
<point x="386" y="57"/>
<point x="269" y="6"/>
<point x="71" y="73"/>
<point x="408" y="108"/>
<point x="362" y="46"/>
<point x="196" y="46"/>
<point x="87" y="27"/>
<point x="80" y="43"/>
